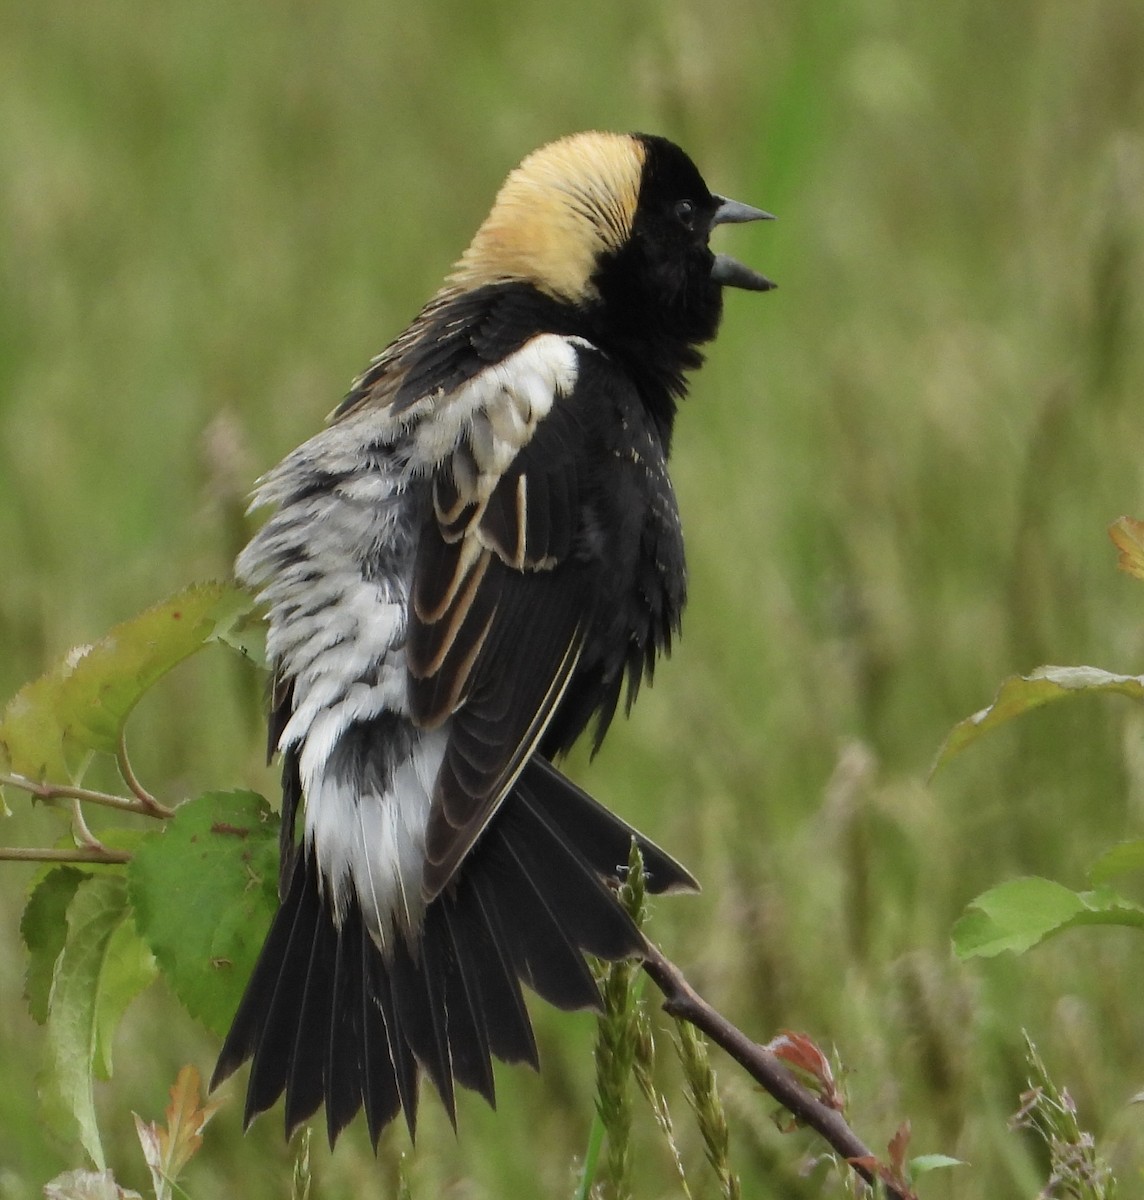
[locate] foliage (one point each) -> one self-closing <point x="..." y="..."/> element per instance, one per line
<point x="50" y="728"/>
<point x="617" y="1039"/>
<point x="1021" y="913"/>
<point x="203" y="894"/>
<point x="167" y="1149"/>
<point x="1076" y="1169"/>
<point x="191" y="898"/>
<point x="625" y="1053"/>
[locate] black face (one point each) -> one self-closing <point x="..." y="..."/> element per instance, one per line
<point x="660" y="283"/>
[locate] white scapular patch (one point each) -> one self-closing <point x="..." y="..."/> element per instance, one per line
<point x="498" y="408"/>
<point x="334" y="565"/>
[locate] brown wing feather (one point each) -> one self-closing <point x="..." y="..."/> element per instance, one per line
<point x="477" y="774"/>
<point x="452" y="610"/>
<point x="498" y="612"/>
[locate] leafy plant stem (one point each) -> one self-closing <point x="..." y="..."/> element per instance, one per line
<point x="682" y="1001"/>
<point x="150" y="804"/>
<point x="84" y="854"/>
<point x="81" y="830"/>
<point x="62" y="791"/>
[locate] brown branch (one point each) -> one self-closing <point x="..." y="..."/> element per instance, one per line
<point x="152" y="806"/>
<point x="80" y="831"/>
<point x="63" y="791"/>
<point x="85" y="854"/>
<point x="682" y="1001"/>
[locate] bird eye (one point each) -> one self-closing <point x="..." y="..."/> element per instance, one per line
<point x="685" y="213"/>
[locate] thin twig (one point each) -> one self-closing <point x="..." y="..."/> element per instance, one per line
<point x="80" y="830"/>
<point x="154" y="808"/>
<point x="683" y="1001"/>
<point x="86" y="854"/>
<point x="63" y="791"/>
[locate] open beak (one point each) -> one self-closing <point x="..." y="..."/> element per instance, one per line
<point x="729" y="271"/>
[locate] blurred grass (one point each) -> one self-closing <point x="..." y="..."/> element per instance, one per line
<point x="896" y="474"/>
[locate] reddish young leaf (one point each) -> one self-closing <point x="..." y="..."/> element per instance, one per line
<point x="897" y="1148"/>
<point x="800" y="1053"/>
<point x="880" y="1170"/>
<point x="168" y="1150"/>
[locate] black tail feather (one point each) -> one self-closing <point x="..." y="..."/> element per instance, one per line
<point x="401" y="1065"/>
<point x="328" y="1017"/>
<point x="278" y="1027"/>
<point x="544" y="956"/>
<point x="483" y="945"/>
<point x="468" y="1029"/>
<point x="602" y="837"/>
<point x="306" y="1084"/>
<point x="350" y="1019"/>
<point x="418" y="993"/>
<point x="580" y="902"/>
<point x="382" y="1081"/>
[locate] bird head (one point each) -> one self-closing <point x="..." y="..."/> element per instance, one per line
<point x="616" y="226"/>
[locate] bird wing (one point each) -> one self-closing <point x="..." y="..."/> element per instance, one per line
<point x="500" y="601"/>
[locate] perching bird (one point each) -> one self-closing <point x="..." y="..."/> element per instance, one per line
<point x="462" y="571"/>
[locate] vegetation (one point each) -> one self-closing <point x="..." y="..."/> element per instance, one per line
<point x="896" y="474"/>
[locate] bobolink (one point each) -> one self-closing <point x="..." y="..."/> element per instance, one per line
<point x="462" y="570"/>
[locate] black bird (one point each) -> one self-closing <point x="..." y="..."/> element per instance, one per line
<point x="462" y="571"/>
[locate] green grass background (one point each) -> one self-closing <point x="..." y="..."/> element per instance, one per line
<point x="895" y="474"/>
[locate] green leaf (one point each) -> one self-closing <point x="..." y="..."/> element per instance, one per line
<point x="1020" y="693"/>
<point x="1022" y="912"/>
<point x="204" y="889"/>
<point x="245" y="631"/>
<point x="100" y="969"/>
<point x="44" y="928"/>
<point x="31" y="738"/>
<point x="932" y="1162"/>
<point x="83" y="703"/>
<point x="108" y="680"/>
<point x="131" y="969"/>
<point x="1121" y="859"/>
